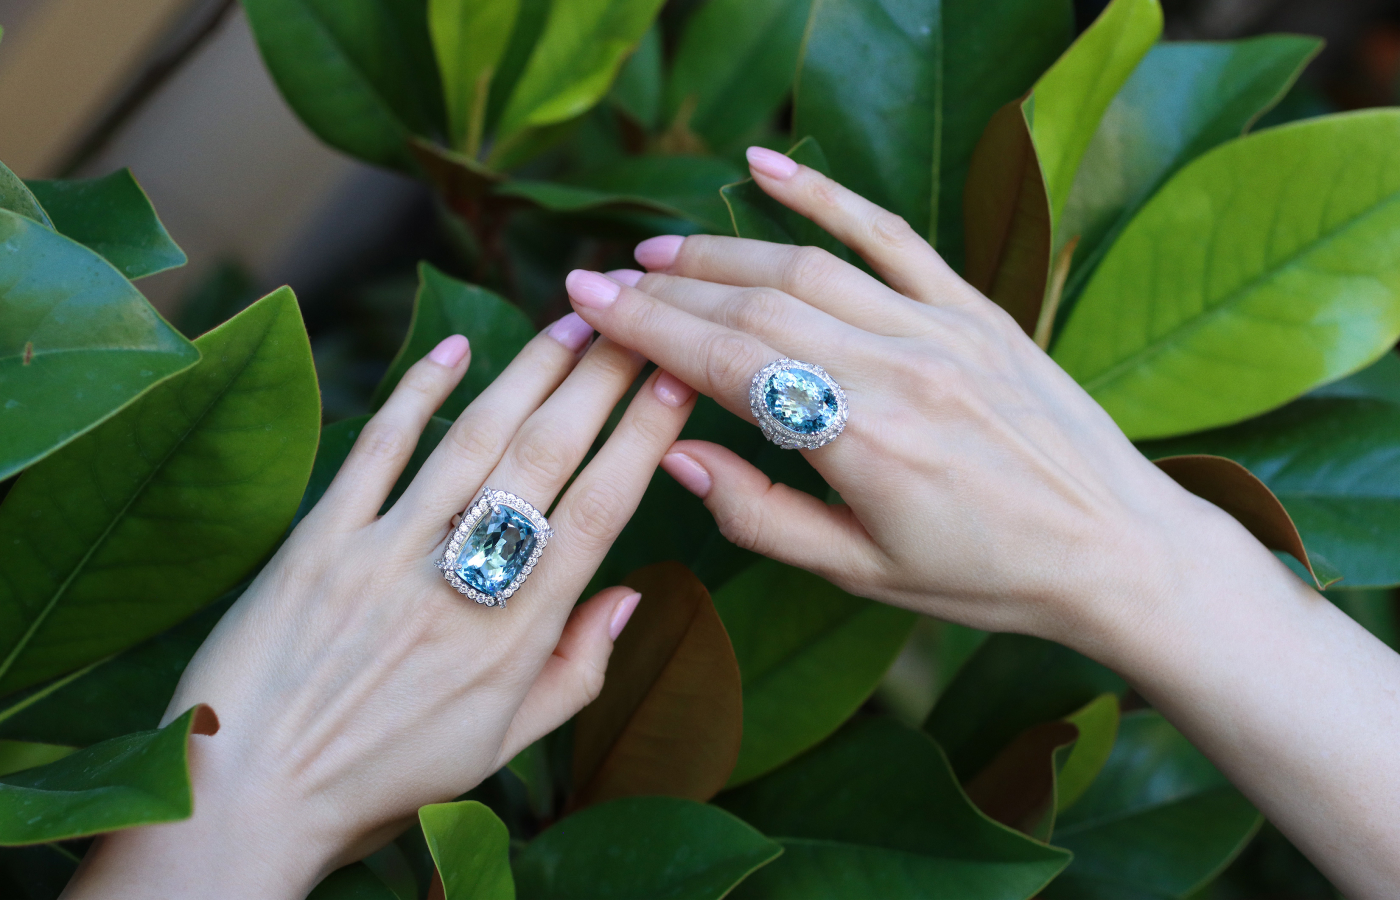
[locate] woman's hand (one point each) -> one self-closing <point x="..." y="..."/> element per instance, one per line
<point x="352" y="683"/>
<point x="982" y="485"/>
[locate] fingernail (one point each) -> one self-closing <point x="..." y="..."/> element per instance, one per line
<point x="689" y="473"/>
<point x="770" y="163"/>
<point x="571" y="331"/>
<point x="625" y="607"/>
<point x="450" y="351"/>
<point x="658" y="252"/>
<point x="629" y="277"/>
<point x="592" y="289"/>
<point x="671" y="390"/>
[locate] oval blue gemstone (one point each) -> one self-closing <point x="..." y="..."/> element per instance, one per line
<point x="800" y="401"/>
<point x="496" y="550"/>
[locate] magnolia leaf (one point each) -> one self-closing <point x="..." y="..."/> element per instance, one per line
<point x="756" y="215"/>
<point x="352" y="882"/>
<point x="868" y="88"/>
<point x="1238" y="272"/>
<point x="993" y="51"/>
<point x="113" y="217"/>
<point x="497" y="330"/>
<point x="1011" y="683"/>
<point x="469" y="38"/>
<point x="359" y="73"/>
<point x="1184" y="98"/>
<point x="16" y="756"/>
<point x="809" y="653"/>
<point x="1233" y="488"/>
<point x="734" y="65"/>
<point x="158" y="511"/>
<point x="458" y="177"/>
<point x="574" y="62"/>
<point x="660" y="848"/>
<point x="670" y="716"/>
<point x="1159" y="821"/>
<point x="471" y="849"/>
<point x="1334" y="464"/>
<point x="876" y="812"/>
<point x="137" y="779"/>
<point x="77" y="342"/>
<point x="18" y="198"/>
<point x="1097" y="722"/>
<point x="1379" y="381"/>
<point x="637" y="90"/>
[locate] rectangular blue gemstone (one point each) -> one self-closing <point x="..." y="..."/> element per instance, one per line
<point x="496" y="550"/>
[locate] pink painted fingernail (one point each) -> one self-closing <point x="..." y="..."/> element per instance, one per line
<point x="770" y="163"/>
<point x="571" y="331"/>
<point x="592" y="289"/>
<point x="621" y="613"/>
<point x="450" y="351"/>
<point x="671" y="390"/>
<point x="658" y="252"/>
<point x="691" y="475"/>
<point x="629" y="277"/>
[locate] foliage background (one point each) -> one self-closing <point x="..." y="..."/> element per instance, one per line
<point x="774" y="661"/>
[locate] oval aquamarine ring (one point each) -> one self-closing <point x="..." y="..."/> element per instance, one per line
<point x="494" y="547"/>
<point x="797" y="404"/>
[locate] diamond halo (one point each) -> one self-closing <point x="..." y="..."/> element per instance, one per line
<point x="481" y="507"/>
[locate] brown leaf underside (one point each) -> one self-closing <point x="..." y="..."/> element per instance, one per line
<point x="1017" y="788"/>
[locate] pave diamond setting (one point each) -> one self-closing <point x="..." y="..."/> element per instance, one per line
<point x="494" y="547"/>
<point x="797" y="404"/>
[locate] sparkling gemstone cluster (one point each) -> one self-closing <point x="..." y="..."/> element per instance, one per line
<point x="797" y="404"/>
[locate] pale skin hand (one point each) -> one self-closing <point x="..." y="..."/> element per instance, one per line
<point x="981" y="485"/>
<point x="353" y="684"/>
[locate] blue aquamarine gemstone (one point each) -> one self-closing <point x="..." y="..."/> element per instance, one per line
<point x="496" y="550"/>
<point x="800" y="401"/>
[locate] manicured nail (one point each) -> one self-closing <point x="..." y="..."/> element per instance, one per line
<point x="689" y="473"/>
<point x="450" y="351"/>
<point x="571" y="331"/>
<point x="629" y="277"/>
<point x="671" y="390"/>
<point x="592" y="288"/>
<point x="621" y="613"/>
<point x="658" y="252"/>
<point x="770" y="163"/>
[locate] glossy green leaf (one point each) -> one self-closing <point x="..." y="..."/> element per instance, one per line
<point x="359" y="73"/>
<point x="1011" y="683"/>
<point x="1334" y="463"/>
<point x="684" y="187"/>
<point x="573" y="65"/>
<point x="993" y="51"/>
<point x="1097" y="722"/>
<point x="660" y="848"/>
<point x="809" y="654"/>
<point x="16" y="756"/>
<point x="876" y="812"/>
<point x="756" y="215"/>
<point x="734" y="65"/>
<point x="352" y="882"/>
<point x="471" y="848"/>
<point x="137" y="779"/>
<point x="637" y="91"/>
<point x="529" y="25"/>
<point x="1380" y="380"/>
<point x="163" y="508"/>
<point x="869" y="87"/>
<point x="336" y="441"/>
<point x="1183" y="99"/>
<point x="498" y="330"/>
<point x="1159" y="821"/>
<point x="1239" y="272"/>
<point x="128" y="692"/>
<point x="18" y="198"/>
<point x="1064" y="108"/>
<point x="113" y="217"/>
<point x="77" y="342"/>
<point x="469" y="38"/>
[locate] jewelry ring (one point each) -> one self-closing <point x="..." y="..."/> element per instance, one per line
<point x="494" y="547"/>
<point x="797" y="404"/>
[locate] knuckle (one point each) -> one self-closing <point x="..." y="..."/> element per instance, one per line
<point x="420" y="381"/>
<point x="757" y="310"/>
<point x="591" y="677"/>
<point x="381" y="441"/>
<point x="809" y="269"/>
<point x="474" y="442"/>
<point x="890" y="230"/>
<point x="742" y="525"/>
<point x="729" y="361"/>
<point x="543" y="453"/>
<point x="596" y="515"/>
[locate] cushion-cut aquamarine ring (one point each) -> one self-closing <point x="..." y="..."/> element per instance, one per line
<point x="797" y="404"/>
<point x="494" y="547"/>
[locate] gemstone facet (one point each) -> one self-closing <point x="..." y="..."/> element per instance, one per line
<point x="497" y="549"/>
<point x="800" y="401"/>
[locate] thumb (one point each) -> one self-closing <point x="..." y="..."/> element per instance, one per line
<point x="572" y="677"/>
